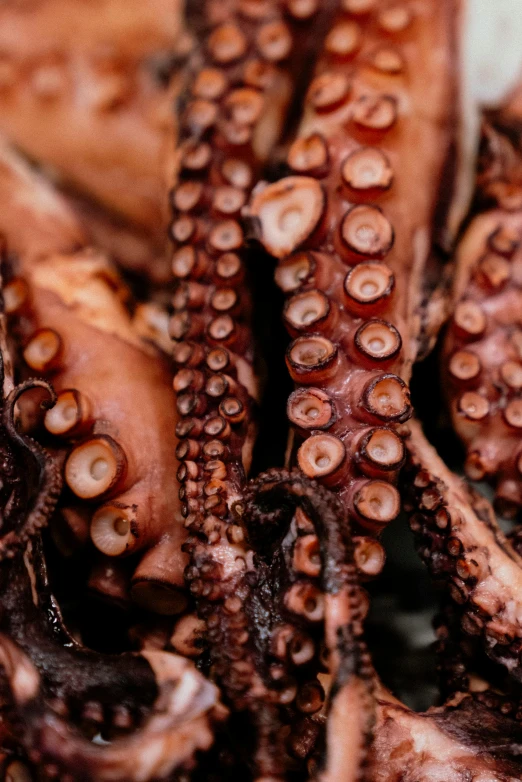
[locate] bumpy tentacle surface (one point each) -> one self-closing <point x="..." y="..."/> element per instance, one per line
<point x="483" y="347"/>
<point x="57" y="688"/>
<point x="460" y="541"/>
<point x="69" y="314"/>
<point x="231" y="115"/>
<point x="57" y="694"/>
<point x="308" y="578"/>
<point x="352" y="228"/>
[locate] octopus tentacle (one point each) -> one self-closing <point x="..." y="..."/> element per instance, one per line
<point x="71" y="321"/>
<point x="50" y="475"/>
<point x="482" y="349"/>
<point x="271" y="500"/>
<point x="460" y="541"/>
<point x="179" y="726"/>
<point x="352" y="251"/>
<point x="231" y="115"/>
<point x="53" y="682"/>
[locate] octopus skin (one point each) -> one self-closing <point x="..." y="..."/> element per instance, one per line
<point x="466" y="552"/>
<point x="92" y="80"/>
<point x="54" y="688"/>
<point x="353" y="251"/>
<point x="231" y="113"/>
<point x="67" y="307"/>
<point x="257" y="634"/>
<point x="275" y="610"/>
<point x="331" y="601"/>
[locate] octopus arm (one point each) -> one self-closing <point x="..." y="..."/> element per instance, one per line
<point x="277" y="501"/>
<point x="353" y="249"/>
<point x="165" y="709"/>
<point x="68" y="308"/>
<point x="231" y="114"/>
<point x="57" y="690"/>
<point x="483" y="346"/>
<point x="458" y="537"/>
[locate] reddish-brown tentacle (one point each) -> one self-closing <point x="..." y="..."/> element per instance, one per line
<point x="50" y="475"/>
<point x="231" y="114"/>
<point x="56" y="694"/>
<point x="271" y="501"/>
<point x="352" y="229"/>
<point x="466" y="552"/>
<point x="483" y="351"/>
<point x="69" y="312"/>
<point x="58" y="691"/>
<point x="482" y="356"/>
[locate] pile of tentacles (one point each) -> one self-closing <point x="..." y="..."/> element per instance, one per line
<point x="175" y="604"/>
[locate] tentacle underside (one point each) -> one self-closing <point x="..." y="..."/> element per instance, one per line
<point x="483" y="347"/>
<point x="231" y="116"/>
<point x="51" y="683"/>
<point x="352" y="228"/>
<point x="350" y="678"/>
<point x="464" y="548"/>
<point x="67" y="310"/>
<point x="55" y="686"/>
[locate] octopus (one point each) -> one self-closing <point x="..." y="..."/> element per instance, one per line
<point x="183" y="155"/>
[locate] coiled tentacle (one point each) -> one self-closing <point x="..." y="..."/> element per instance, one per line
<point x="270" y="500"/>
<point x="52" y="684"/>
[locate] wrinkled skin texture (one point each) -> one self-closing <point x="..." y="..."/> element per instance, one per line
<point x="444" y="745"/>
<point x="458" y="536"/>
<point x="51" y="682"/>
<point x="43" y="664"/>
